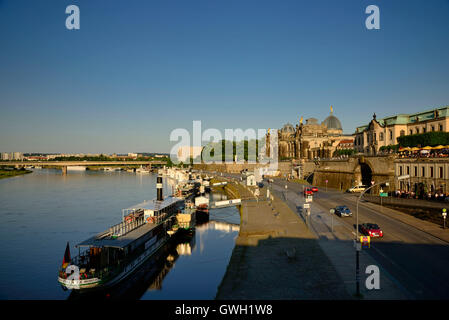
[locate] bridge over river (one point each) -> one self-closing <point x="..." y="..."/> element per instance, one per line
<point x="64" y="164"/>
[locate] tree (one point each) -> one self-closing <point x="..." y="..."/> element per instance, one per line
<point x="432" y="139"/>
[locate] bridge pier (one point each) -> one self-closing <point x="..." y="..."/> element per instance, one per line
<point x="64" y="170"/>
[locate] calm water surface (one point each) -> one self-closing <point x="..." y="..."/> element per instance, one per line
<point x="41" y="211"/>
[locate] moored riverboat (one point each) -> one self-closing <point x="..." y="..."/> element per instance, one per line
<point x="111" y="256"/>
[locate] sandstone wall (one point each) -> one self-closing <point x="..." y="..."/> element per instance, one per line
<point x="342" y="174"/>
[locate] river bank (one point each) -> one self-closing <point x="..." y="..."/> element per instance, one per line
<point x="276" y="256"/>
<point x="12" y="173"/>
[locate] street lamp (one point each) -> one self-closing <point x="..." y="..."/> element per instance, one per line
<point x="358" y="248"/>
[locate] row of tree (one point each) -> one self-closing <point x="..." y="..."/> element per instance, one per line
<point x="433" y="138"/>
<point x="225" y="150"/>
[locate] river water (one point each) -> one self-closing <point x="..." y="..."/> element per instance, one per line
<point x="41" y="211"/>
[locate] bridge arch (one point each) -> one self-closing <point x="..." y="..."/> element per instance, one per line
<point x="363" y="173"/>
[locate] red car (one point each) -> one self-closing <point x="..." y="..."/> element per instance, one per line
<point x="308" y="191"/>
<point x="371" y="229"/>
<point x="314" y="189"/>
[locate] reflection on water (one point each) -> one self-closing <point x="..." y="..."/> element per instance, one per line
<point x="41" y="211"/>
<point x="201" y="264"/>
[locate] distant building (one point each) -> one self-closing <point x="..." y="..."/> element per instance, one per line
<point x="346" y="144"/>
<point x="36" y="158"/>
<point x="17" y="156"/>
<point x="384" y="132"/>
<point x="310" y="140"/>
<point x="250" y="180"/>
<point x="12" y="156"/>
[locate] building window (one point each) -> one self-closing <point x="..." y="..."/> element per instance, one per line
<point x="441" y="127"/>
<point x="417" y="130"/>
<point x="381" y="136"/>
<point x="416" y="171"/>
<point x="423" y="170"/>
<point x="408" y="170"/>
<point x="391" y="135"/>
<point x="433" y="128"/>
<point x="400" y="170"/>
<point x="441" y="172"/>
<point x="411" y="131"/>
<point x="431" y="172"/>
<point x="424" y="130"/>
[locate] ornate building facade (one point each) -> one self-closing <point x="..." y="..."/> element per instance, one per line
<point x="311" y="140"/>
<point x="384" y="132"/>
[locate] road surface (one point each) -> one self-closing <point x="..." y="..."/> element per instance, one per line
<point x="415" y="260"/>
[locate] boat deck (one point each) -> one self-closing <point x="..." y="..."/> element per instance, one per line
<point x="119" y="242"/>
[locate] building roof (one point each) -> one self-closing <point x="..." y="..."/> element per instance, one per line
<point x="332" y="122"/>
<point x="288" y="128"/>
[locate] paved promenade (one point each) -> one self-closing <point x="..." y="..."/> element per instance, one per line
<point x="277" y="257"/>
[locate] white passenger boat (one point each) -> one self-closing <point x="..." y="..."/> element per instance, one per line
<point x="111" y="256"/>
<point x="142" y="170"/>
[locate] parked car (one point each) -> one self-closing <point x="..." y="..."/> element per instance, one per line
<point x="371" y="229"/>
<point x="342" y="211"/>
<point x="314" y="189"/>
<point x="356" y="189"/>
<point x="308" y="191"/>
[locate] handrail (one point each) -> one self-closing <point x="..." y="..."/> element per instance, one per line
<point x="125" y="227"/>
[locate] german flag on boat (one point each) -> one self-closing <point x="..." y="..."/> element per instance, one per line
<point x="67" y="259"/>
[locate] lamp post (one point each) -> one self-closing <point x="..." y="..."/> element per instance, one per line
<point x="444" y="218"/>
<point x="358" y="248"/>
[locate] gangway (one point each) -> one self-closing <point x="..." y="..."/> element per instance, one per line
<point x="226" y="203"/>
<point x="219" y="184"/>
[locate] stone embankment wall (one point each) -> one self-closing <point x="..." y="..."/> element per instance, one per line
<point x="342" y="174"/>
<point x="285" y="167"/>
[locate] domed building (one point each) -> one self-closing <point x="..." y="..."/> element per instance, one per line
<point x="333" y="125"/>
<point x="311" y="140"/>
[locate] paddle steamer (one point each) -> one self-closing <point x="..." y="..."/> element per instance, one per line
<point x="109" y="257"/>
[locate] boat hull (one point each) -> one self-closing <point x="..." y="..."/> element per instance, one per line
<point x="97" y="283"/>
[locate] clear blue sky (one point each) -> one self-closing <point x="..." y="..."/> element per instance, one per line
<point x="138" y="69"/>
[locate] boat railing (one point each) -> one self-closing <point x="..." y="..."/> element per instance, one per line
<point x="126" y="226"/>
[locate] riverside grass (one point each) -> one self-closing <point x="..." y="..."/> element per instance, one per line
<point x="12" y="173"/>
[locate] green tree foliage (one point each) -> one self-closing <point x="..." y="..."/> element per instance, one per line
<point x="244" y="150"/>
<point x="432" y="139"/>
<point x="346" y="152"/>
<point x="393" y="148"/>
